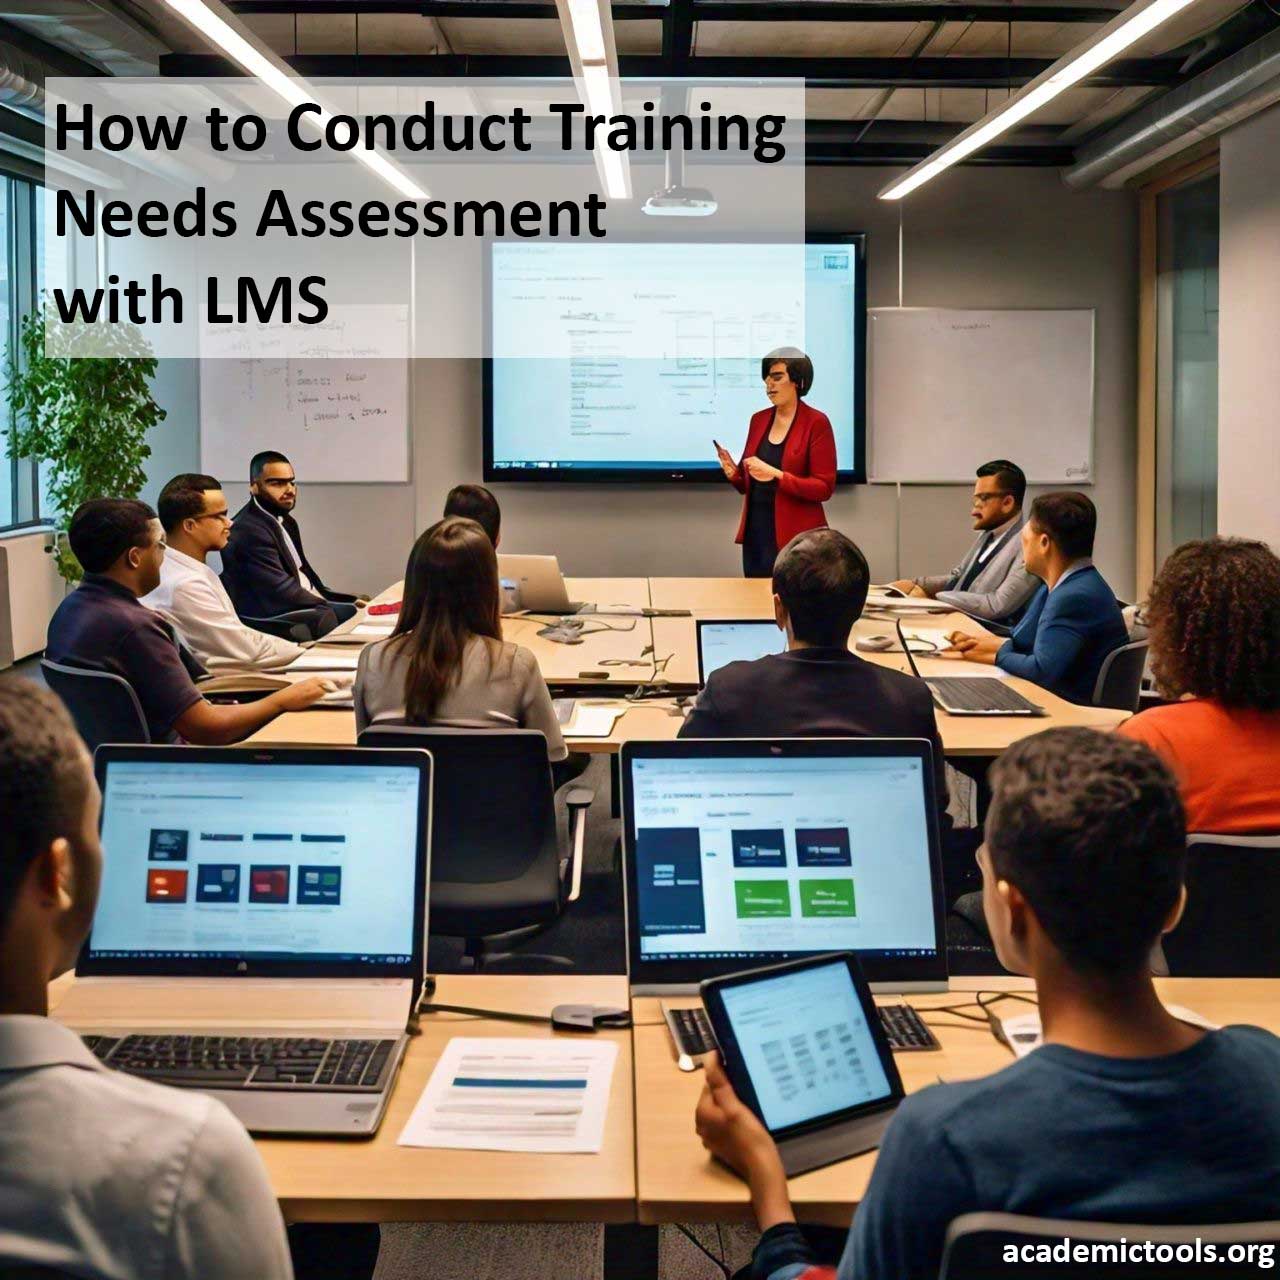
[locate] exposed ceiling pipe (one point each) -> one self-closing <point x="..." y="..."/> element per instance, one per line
<point x="1237" y="87"/>
<point x="22" y="80"/>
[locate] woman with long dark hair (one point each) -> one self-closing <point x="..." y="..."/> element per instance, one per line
<point x="446" y="662"/>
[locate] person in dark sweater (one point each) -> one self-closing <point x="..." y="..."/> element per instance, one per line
<point x="817" y="688"/>
<point x="1124" y="1114"/>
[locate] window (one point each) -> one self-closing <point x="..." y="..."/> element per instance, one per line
<point x="22" y="276"/>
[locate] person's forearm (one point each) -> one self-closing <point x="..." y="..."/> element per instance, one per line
<point x="770" y="1198"/>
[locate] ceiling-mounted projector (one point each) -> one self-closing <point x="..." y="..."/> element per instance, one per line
<point x="681" y="202"/>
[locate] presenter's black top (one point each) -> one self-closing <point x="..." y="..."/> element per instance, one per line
<point x="760" y="540"/>
<point x="102" y="626"/>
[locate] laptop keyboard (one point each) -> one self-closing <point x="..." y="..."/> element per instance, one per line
<point x="980" y="693"/>
<point x="249" y="1062"/>
<point x="903" y="1028"/>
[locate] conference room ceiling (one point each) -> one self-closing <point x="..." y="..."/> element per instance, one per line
<point x="888" y="80"/>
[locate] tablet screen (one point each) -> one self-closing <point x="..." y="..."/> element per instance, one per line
<point x="806" y="1045"/>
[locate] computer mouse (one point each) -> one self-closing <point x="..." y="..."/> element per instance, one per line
<point x="875" y="644"/>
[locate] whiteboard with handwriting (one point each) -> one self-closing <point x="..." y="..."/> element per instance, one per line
<point x="340" y="420"/>
<point x="950" y="390"/>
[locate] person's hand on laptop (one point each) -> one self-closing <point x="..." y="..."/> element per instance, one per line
<point x="976" y="648"/>
<point x="733" y="1133"/>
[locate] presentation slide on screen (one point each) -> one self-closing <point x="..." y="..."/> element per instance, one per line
<point x="707" y="307"/>
<point x="242" y="859"/>
<point x="742" y="856"/>
<point x="806" y="1045"/>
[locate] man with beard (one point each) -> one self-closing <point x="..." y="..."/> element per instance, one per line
<point x="264" y="568"/>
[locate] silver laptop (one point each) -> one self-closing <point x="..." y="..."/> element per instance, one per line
<point x="741" y="852"/>
<point x="261" y="928"/>
<point x="971" y="695"/>
<point x="721" y="641"/>
<point x="538" y="582"/>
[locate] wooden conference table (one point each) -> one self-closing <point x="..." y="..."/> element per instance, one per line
<point x="629" y="651"/>
<point x="651" y="1168"/>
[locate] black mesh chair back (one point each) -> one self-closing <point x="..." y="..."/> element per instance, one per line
<point x="103" y="705"/>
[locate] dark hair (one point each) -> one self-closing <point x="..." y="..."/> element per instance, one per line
<point x="1070" y="520"/>
<point x="475" y="502"/>
<point x="103" y="529"/>
<point x="822" y="580"/>
<point x="1214" y="615"/>
<point x="1008" y="475"/>
<point x="450" y="595"/>
<point x="259" y="461"/>
<point x="1090" y="827"/>
<point x="42" y="775"/>
<point x="182" y="498"/>
<point x="799" y="367"/>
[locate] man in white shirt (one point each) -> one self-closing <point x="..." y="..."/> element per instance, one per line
<point x="193" y="511"/>
<point x="100" y="1173"/>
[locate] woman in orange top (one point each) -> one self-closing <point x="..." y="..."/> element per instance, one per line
<point x="1214" y="615"/>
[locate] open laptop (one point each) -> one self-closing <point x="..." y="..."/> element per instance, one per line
<point x="971" y="695"/>
<point x="741" y="852"/>
<point x="539" y="582"/>
<point x="721" y="641"/>
<point x="261" y="927"/>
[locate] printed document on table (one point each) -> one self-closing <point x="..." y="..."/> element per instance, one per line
<point x="515" y="1095"/>
<point x="324" y="660"/>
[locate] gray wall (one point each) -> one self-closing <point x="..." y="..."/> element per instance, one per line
<point x="1249" y="298"/>
<point x="974" y="238"/>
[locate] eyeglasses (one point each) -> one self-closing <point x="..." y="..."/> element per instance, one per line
<point x="224" y="516"/>
<point x="990" y="497"/>
<point x="281" y="482"/>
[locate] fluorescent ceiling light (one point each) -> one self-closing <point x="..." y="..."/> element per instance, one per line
<point x="293" y="90"/>
<point x="1119" y="34"/>
<point x="588" y="30"/>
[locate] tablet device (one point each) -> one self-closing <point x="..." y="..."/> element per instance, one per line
<point x="803" y="1047"/>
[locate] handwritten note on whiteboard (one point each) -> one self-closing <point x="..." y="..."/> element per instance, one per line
<point x="337" y="406"/>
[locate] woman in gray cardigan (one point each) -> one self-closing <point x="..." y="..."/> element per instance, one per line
<point x="446" y="663"/>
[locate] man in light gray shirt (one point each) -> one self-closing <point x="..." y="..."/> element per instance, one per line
<point x="991" y="581"/>
<point x="100" y="1173"/>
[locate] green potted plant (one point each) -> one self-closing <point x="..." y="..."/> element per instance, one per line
<point x="86" y="418"/>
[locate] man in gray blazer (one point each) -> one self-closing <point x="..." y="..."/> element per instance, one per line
<point x="991" y="582"/>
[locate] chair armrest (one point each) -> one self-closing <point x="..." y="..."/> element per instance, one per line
<point x="578" y="801"/>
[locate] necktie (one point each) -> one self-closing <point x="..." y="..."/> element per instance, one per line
<point x="976" y="565"/>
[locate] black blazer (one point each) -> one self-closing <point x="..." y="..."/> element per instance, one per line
<point x="817" y="693"/>
<point x="258" y="570"/>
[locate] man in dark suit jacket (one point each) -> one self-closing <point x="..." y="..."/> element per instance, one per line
<point x="264" y="568"/>
<point x="817" y="689"/>
<point x="1073" y="620"/>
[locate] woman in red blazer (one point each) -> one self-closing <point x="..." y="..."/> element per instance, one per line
<point x="788" y="469"/>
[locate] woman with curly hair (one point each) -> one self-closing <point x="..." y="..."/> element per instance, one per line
<point x="1214" y="615"/>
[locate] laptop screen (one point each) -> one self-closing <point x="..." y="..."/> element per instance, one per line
<point x="724" y="642"/>
<point x="259" y="860"/>
<point x="745" y="852"/>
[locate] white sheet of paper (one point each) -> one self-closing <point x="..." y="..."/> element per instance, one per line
<point x="324" y="660"/>
<point x="515" y="1095"/>
<point x="592" y="720"/>
<point x="907" y="604"/>
<point x="373" y="630"/>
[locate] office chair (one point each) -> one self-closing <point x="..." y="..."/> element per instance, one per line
<point x="104" y="706"/>
<point x="976" y="1243"/>
<point x="1119" y="682"/>
<point x="1230" y="928"/>
<point x="496" y="864"/>
<point x="299" y="625"/>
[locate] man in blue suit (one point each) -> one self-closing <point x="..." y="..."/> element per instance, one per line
<point x="1073" y="620"/>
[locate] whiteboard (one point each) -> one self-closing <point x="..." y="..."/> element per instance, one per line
<point x="342" y="419"/>
<point x="950" y="390"/>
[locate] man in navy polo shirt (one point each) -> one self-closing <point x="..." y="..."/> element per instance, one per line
<point x="102" y="626"/>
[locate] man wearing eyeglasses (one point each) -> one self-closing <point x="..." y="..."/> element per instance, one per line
<point x="193" y="511"/>
<point x="991" y="581"/>
<point x="264" y="568"/>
